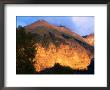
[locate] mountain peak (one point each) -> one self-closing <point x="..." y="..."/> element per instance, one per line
<point x="90" y="39"/>
<point x="41" y="21"/>
<point x="35" y="24"/>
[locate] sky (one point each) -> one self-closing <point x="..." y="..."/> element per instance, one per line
<point x="82" y="25"/>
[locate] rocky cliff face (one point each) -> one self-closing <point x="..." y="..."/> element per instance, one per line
<point x="56" y="44"/>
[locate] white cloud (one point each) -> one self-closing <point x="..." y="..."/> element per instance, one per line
<point x="84" y="24"/>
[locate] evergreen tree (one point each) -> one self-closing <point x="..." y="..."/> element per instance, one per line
<point x="25" y="51"/>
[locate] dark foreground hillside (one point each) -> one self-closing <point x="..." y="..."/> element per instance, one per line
<point x="58" y="69"/>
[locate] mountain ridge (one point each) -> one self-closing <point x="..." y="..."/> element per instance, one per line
<point x="45" y="25"/>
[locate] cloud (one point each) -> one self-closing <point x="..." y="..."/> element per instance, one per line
<point x="84" y="25"/>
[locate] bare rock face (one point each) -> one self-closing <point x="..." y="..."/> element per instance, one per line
<point x="59" y="45"/>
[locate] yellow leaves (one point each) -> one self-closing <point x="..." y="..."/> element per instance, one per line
<point x="65" y="55"/>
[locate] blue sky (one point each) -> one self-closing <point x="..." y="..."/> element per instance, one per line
<point x="83" y="25"/>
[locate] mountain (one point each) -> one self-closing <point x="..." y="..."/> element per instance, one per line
<point x="90" y="39"/>
<point x="43" y="27"/>
<point x="58" y="44"/>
